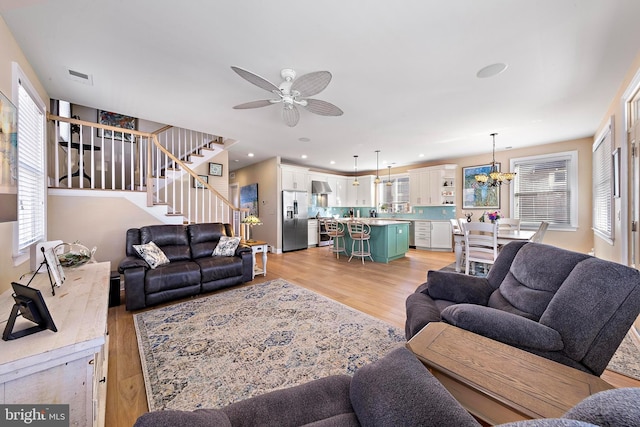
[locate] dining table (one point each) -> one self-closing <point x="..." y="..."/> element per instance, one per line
<point x="504" y="236"/>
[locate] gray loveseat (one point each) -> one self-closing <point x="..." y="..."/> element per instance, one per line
<point x="566" y="306"/>
<point x="192" y="268"/>
<point x="395" y="391"/>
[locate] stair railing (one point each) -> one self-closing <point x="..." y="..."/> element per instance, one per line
<point x="112" y="158"/>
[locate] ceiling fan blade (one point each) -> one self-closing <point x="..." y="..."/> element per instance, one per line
<point x="312" y="83"/>
<point x="290" y="115"/>
<point x="256" y="79"/>
<point x="323" y="108"/>
<point x="254" y="104"/>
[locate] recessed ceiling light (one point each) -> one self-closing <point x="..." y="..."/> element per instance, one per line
<point x="250" y="154"/>
<point x="491" y="70"/>
<point x="304" y="139"/>
<point x="333" y="162"/>
<point x="420" y="155"/>
<point x="304" y="156"/>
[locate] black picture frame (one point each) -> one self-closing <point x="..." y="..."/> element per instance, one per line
<point x="197" y="184"/>
<point x="31" y="306"/>
<point x="215" y="169"/>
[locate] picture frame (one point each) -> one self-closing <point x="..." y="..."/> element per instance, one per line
<point x="249" y="198"/>
<point x="475" y="196"/>
<point x="616" y="172"/>
<point x="197" y="184"/>
<point x="118" y="120"/>
<point x="215" y="169"/>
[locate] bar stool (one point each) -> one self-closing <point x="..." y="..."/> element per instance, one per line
<point x="360" y="233"/>
<point x="335" y="230"/>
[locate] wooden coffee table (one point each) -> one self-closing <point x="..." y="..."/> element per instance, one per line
<point x="498" y="383"/>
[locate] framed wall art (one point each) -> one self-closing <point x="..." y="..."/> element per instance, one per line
<point x="249" y="198"/>
<point x="118" y="120"/>
<point x="197" y="184"/>
<point x="475" y="196"/>
<point x="215" y="169"/>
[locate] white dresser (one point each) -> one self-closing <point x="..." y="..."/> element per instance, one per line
<point x="68" y="366"/>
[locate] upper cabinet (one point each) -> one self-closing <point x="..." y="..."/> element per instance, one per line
<point x="294" y="178"/>
<point x="361" y="195"/>
<point x="433" y="186"/>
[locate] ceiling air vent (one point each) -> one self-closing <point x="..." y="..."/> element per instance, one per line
<point x="79" y="77"/>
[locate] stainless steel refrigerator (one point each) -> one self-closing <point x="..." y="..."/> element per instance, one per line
<point x="294" y="221"/>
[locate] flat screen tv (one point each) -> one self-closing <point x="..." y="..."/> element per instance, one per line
<point x="30" y="304"/>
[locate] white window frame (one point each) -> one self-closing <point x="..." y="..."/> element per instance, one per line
<point x="21" y="255"/>
<point x="572" y="177"/>
<point x="603" y="184"/>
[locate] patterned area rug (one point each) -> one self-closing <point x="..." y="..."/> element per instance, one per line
<point x="625" y="361"/>
<point x="216" y="350"/>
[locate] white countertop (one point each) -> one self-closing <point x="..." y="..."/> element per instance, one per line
<point x="375" y="221"/>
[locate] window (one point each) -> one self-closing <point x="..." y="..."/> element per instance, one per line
<point x="546" y="189"/>
<point x="31" y="165"/>
<point x="396" y="195"/>
<point x="603" y="185"/>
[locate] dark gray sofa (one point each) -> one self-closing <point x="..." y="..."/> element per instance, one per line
<point x="397" y="390"/>
<point x="566" y="306"/>
<point x="192" y="268"/>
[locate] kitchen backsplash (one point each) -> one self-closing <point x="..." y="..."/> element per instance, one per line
<point x="417" y="212"/>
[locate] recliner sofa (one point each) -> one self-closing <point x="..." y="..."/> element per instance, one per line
<point x="192" y="269"/>
<point x="397" y="390"/>
<point x="565" y="306"/>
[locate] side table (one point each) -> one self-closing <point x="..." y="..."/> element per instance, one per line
<point x="499" y="383"/>
<point x="258" y="246"/>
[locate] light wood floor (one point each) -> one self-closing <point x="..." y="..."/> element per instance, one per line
<point x="377" y="289"/>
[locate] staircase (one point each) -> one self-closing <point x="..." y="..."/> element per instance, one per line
<point x="154" y="170"/>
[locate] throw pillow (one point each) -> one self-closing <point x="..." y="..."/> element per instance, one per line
<point x="226" y="246"/>
<point x="152" y="254"/>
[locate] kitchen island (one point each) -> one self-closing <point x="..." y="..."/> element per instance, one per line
<point x="389" y="238"/>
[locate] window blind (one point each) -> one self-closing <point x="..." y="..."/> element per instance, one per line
<point x="542" y="190"/>
<point x="602" y="186"/>
<point x="31" y="172"/>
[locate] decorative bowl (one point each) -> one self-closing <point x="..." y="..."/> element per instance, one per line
<point x="73" y="254"/>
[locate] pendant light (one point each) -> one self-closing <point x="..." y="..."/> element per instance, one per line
<point x="377" y="180"/>
<point x="389" y="183"/>
<point x="494" y="178"/>
<point x="355" y="173"/>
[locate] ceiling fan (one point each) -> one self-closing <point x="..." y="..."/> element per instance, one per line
<point x="291" y="93"/>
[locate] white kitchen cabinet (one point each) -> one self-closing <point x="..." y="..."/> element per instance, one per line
<point x="432" y="186"/>
<point x="294" y="178"/>
<point x="441" y="235"/>
<point x="434" y="235"/>
<point x="312" y="234"/>
<point x="422" y="234"/>
<point x="363" y="194"/>
<point x="342" y="197"/>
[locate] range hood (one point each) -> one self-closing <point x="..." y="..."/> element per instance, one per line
<point x="320" y="187"/>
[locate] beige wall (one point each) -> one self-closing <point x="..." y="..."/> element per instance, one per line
<point x="269" y="199"/>
<point x="10" y="52"/>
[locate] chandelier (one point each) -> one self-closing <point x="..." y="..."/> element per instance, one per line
<point x="494" y="178"/>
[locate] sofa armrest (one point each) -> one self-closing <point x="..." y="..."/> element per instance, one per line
<point x="197" y="418"/>
<point x="242" y="249"/>
<point x="458" y="288"/>
<point x="134" y="295"/>
<point x="502" y="326"/>
<point x="131" y="262"/>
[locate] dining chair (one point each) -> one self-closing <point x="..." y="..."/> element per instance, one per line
<point x="360" y="234"/>
<point x="509" y="224"/>
<point x="537" y="238"/>
<point x="457" y="227"/>
<point x="335" y="230"/>
<point x="480" y="243"/>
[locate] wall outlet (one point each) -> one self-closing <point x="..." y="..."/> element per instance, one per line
<point x="420" y="211"/>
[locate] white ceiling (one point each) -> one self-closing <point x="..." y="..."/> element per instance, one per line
<point x="404" y="72"/>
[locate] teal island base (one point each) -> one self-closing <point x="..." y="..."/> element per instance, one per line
<point x="389" y="239"/>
